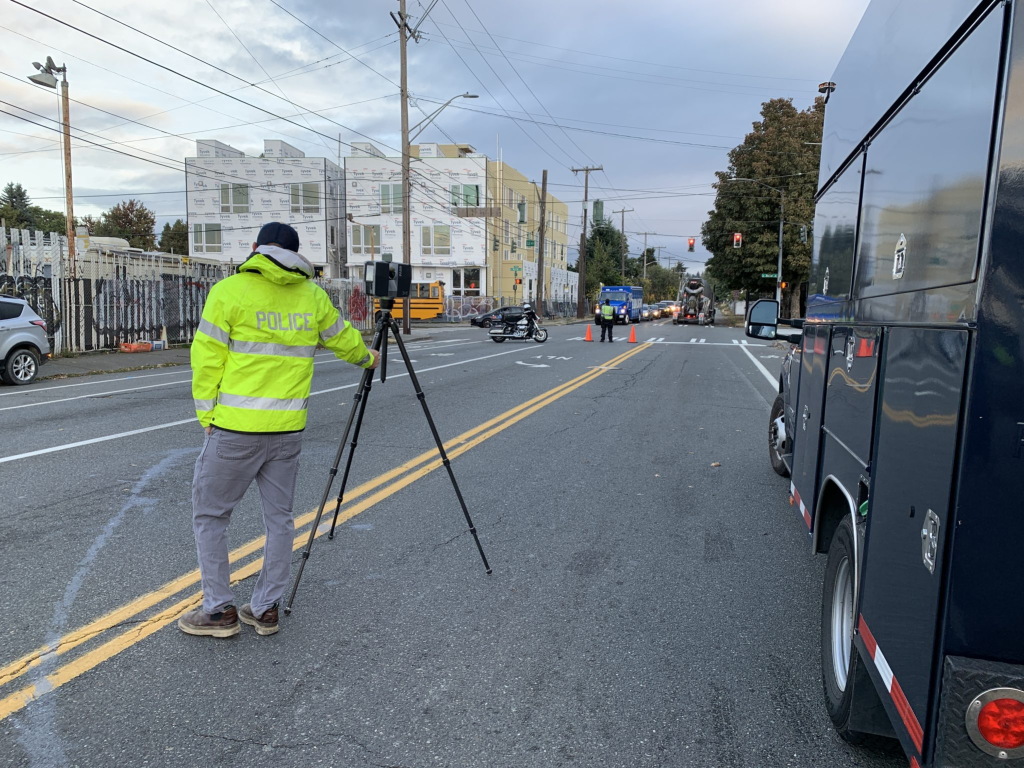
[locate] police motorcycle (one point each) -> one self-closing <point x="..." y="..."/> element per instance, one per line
<point x="519" y="323"/>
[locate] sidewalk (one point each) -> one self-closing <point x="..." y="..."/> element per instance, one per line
<point x="110" y="361"/>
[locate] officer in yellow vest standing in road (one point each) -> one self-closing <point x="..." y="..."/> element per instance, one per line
<point x="252" y="366"/>
<point x="607" y="319"/>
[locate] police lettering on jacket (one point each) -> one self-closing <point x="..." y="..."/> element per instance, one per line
<point x="288" y="321"/>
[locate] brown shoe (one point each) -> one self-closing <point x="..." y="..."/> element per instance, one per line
<point x="265" y="624"/>
<point x="220" y="624"/>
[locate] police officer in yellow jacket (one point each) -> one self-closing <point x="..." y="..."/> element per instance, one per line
<point x="252" y="366"/>
<point x="607" y="320"/>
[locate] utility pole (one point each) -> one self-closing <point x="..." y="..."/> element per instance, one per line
<point x="540" y="240"/>
<point x="404" y="33"/>
<point x="624" y="211"/>
<point x="645" y="234"/>
<point x="580" y="313"/>
<point x="69" y="198"/>
<point x="403" y="36"/>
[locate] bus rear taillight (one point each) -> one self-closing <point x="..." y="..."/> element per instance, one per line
<point x="995" y="722"/>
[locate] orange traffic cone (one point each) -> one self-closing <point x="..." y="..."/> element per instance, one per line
<point x="588" y="337"/>
<point x="632" y="335"/>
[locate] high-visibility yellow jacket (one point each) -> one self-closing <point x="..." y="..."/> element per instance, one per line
<point x="607" y="312"/>
<point x="252" y="357"/>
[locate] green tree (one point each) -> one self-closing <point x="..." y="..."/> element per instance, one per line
<point x="44" y="220"/>
<point x="131" y="221"/>
<point x="174" y="237"/>
<point x="15" y="196"/>
<point x="780" y="153"/>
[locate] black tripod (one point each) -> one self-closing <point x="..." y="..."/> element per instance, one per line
<point x="385" y="322"/>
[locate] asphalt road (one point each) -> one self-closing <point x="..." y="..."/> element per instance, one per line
<point x="653" y="600"/>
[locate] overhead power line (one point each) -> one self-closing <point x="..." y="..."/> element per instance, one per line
<point x="650" y="63"/>
<point x="207" y="85"/>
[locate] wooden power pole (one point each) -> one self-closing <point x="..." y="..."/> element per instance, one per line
<point x="624" y="211"/>
<point x="582" y="264"/>
<point x="540" y="240"/>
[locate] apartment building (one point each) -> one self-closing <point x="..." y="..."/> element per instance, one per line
<point x="465" y="221"/>
<point x="515" y="245"/>
<point x="230" y="195"/>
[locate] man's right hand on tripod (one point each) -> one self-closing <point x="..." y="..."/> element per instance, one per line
<point x="376" y="360"/>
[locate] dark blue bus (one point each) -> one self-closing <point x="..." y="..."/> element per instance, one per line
<point x="900" y="418"/>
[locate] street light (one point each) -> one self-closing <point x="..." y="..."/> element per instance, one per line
<point x="422" y="124"/>
<point x="45" y="77"/>
<point x="782" y="204"/>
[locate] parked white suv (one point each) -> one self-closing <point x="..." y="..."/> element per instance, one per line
<point x="23" y="343"/>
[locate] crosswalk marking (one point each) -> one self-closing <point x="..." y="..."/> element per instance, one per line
<point x="693" y="340"/>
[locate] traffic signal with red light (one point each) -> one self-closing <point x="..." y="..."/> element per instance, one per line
<point x="783" y="285"/>
<point x="519" y="281"/>
<point x="737" y="240"/>
<point x="690" y="243"/>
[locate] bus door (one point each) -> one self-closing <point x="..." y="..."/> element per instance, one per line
<point x="850" y="409"/>
<point x="806" y="426"/>
<point x="909" y="515"/>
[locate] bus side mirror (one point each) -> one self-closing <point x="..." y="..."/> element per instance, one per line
<point x="763" y="319"/>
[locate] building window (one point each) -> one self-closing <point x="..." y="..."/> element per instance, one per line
<point x="506" y="254"/>
<point x="391" y="198"/>
<point x="234" y="198"/>
<point x="306" y="197"/>
<point x="436" y="240"/>
<point x="466" y="281"/>
<point x="508" y="230"/>
<point x="366" y="240"/>
<point x="206" y="238"/>
<point x="467" y="195"/>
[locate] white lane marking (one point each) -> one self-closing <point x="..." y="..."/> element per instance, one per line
<point x="693" y="340"/>
<point x="24" y="392"/>
<point x="661" y="338"/>
<point x="105" y="393"/>
<point x="703" y="343"/>
<point x="735" y="341"/>
<point x="168" y="425"/>
<point x="743" y="341"/>
<point x="96" y="395"/>
<point x="421" y="371"/>
<point x="532" y="365"/>
<point x="771" y="379"/>
<point x="94" y="440"/>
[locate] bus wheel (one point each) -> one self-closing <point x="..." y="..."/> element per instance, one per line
<point x="778" y="413"/>
<point x="840" y="661"/>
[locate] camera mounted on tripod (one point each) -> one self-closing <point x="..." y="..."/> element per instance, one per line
<point x="387" y="280"/>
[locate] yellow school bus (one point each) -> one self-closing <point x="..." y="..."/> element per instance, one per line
<point x="426" y="301"/>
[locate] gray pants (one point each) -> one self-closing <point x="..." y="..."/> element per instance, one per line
<point x="226" y="467"/>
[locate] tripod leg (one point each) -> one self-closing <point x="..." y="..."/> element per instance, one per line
<point x="364" y="385"/>
<point x="437" y="439"/>
<point x="363" y="394"/>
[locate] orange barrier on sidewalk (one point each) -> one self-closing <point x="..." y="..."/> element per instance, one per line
<point x="588" y="337"/>
<point x="143" y="346"/>
<point x="632" y="335"/>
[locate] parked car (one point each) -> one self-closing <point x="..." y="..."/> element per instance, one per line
<point x="23" y="343"/>
<point x="494" y="316"/>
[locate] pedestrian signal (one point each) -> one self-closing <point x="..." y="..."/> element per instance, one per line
<point x="737" y="240"/>
<point x="519" y="281"/>
<point x="690" y="243"/>
<point x="783" y="286"/>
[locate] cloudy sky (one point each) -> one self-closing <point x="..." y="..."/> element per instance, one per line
<point x="655" y="91"/>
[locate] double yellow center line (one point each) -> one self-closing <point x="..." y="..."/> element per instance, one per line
<point x="368" y="494"/>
